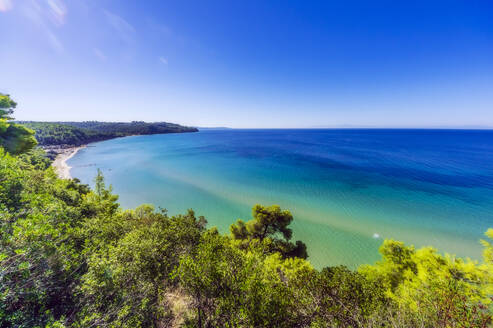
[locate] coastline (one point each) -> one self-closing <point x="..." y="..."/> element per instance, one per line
<point x="60" y="154"/>
<point x="60" y="163"/>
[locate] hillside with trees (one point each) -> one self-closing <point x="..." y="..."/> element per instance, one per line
<point x="81" y="133"/>
<point x="70" y="256"/>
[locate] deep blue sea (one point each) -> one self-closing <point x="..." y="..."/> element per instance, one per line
<point x="347" y="189"/>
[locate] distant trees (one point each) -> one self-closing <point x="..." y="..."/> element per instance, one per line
<point x="132" y="128"/>
<point x="22" y="136"/>
<point x="14" y="138"/>
<point x="79" y="133"/>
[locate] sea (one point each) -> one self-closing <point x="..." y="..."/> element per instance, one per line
<point x="348" y="189"/>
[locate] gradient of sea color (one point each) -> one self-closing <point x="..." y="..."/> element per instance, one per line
<point x="347" y="189"/>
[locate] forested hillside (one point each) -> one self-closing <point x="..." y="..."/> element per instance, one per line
<point x="80" y="133"/>
<point x="71" y="257"/>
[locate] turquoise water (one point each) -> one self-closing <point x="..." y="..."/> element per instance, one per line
<point x="347" y="189"/>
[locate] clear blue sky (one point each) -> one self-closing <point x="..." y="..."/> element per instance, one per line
<point x="250" y="63"/>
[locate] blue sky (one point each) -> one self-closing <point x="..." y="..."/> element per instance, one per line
<point x="251" y="63"/>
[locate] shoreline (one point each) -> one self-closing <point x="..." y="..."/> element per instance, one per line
<point x="60" y="154"/>
<point x="60" y="163"/>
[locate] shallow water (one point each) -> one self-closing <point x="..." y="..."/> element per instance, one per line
<point x="347" y="189"/>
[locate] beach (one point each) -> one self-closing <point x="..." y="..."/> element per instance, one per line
<point x="60" y="163"/>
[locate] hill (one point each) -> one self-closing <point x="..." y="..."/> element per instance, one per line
<point x="80" y="133"/>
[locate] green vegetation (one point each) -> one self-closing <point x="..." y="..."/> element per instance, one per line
<point x="269" y="232"/>
<point x="14" y="138"/>
<point x="71" y="257"/>
<point x="80" y="133"/>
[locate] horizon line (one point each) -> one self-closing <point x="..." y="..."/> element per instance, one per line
<point x="343" y="126"/>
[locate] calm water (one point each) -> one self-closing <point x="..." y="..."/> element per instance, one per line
<point x="347" y="189"/>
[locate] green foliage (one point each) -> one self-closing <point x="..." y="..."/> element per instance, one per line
<point x="128" y="277"/>
<point x="433" y="288"/>
<point x="268" y="230"/>
<point x="7" y="106"/>
<point x="346" y="298"/>
<point x="131" y="128"/>
<point x="58" y="134"/>
<point x="80" y="133"/>
<point x="40" y="248"/>
<point x="14" y="138"/>
<point x="488" y="251"/>
<point x="71" y="257"/>
<point x="233" y="288"/>
<point x="37" y="158"/>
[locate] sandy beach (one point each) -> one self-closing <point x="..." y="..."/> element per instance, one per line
<point x="60" y="163"/>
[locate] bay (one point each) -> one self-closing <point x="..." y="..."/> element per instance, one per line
<point x="348" y="189"/>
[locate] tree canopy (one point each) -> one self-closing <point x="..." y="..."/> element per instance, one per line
<point x="268" y="230"/>
<point x="80" y="133"/>
<point x="7" y="106"/>
<point x="14" y="138"/>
